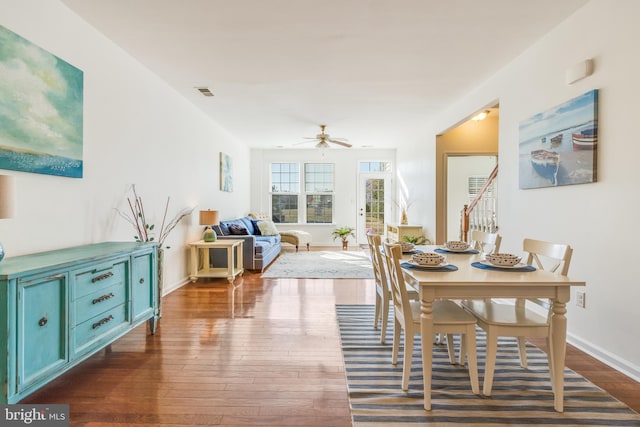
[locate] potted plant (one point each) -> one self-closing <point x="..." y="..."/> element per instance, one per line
<point x="343" y="233"/>
<point x="416" y="240"/>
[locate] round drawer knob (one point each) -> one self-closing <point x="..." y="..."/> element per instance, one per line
<point x="43" y="321"/>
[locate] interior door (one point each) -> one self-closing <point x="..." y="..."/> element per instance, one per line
<point x="373" y="204"/>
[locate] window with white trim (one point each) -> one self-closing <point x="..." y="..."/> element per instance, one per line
<point x="309" y="200"/>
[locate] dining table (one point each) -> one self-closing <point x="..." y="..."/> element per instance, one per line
<point x="462" y="280"/>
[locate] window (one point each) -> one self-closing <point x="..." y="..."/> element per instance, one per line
<point x="375" y="166"/>
<point x="285" y="186"/>
<point x="316" y="198"/>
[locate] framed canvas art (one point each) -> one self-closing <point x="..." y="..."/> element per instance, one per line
<point x="226" y="173"/>
<point x="41" y="113"/>
<point x="559" y="146"/>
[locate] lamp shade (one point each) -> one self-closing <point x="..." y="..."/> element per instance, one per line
<point x="7" y="196"/>
<point x="209" y="217"/>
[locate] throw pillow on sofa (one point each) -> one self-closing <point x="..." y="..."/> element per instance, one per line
<point x="237" y="230"/>
<point x="256" y="226"/>
<point x="268" y="228"/>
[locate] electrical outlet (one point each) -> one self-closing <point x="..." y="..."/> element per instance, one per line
<point x="580" y="299"/>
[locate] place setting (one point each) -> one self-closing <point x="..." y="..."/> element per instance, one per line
<point x="503" y="262"/>
<point x="409" y="248"/>
<point x="428" y="261"/>
<point x="456" y="247"/>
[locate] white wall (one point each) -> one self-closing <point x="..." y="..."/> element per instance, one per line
<point x="136" y="131"/>
<point x="597" y="219"/>
<point x="346" y="202"/>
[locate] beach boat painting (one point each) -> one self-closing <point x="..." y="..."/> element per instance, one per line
<point x="568" y="131"/>
<point x="585" y="140"/>
<point x="546" y="164"/>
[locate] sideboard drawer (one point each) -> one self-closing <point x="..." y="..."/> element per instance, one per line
<point x="99" y="277"/>
<point x="90" y="332"/>
<point x="102" y="300"/>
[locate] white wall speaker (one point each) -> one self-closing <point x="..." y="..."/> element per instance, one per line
<point x="579" y="71"/>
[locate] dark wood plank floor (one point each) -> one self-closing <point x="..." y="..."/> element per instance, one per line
<point x="259" y="352"/>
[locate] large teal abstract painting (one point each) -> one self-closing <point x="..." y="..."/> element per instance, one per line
<point x="40" y="109"/>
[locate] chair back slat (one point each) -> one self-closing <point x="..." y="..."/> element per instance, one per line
<point x="486" y="242"/>
<point x="392" y="256"/>
<point x="379" y="273"/>
<point x="557" y="258"/>
<point x="559" y="255"/>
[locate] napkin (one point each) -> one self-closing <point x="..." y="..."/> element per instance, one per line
<point x="444" y="251"/>
<point x="448" y="267"/>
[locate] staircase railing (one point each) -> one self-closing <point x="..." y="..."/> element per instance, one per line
<point x="480" y="214"/>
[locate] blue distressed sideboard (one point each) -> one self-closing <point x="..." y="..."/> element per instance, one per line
<point x="57" y="308"/>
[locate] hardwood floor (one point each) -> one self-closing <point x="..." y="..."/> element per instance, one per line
<point x="260" y="352"/>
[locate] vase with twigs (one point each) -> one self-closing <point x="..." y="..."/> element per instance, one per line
<point x="146" y="232"/>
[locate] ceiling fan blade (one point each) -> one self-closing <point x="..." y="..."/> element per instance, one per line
<point x="344" y="144"/>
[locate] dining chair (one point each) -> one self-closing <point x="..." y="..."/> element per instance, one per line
<point x="520" y="319"/>
<point x="448" y="318"/>
<point x="485" y="242"/>
<point x="383" y="290"/>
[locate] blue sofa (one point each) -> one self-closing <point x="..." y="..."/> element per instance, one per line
<point x="258" y="251"/>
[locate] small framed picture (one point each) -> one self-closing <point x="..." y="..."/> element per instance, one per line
<point x="226" y="173"/>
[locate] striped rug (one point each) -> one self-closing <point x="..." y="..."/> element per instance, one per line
<point x="519" y="397"/>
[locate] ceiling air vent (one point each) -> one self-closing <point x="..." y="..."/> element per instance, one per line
<point x="205" y="91"/>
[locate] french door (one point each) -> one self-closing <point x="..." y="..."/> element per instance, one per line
<point x="373" y="204"/>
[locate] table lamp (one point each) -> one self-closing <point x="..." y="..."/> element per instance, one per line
<point x="7" y="200"/>
<point x="209" y="218"/>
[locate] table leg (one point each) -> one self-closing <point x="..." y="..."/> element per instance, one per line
<point x="426" y="329"/>
<point x="557" y="350"/>
<point x="194" y="263"/>
<point x="230" y="265"/>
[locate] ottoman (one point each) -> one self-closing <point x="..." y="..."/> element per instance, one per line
<point x="296" y="237"/>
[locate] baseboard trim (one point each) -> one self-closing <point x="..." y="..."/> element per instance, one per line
<point x="623" y="366"/>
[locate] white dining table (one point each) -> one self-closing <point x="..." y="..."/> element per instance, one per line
<point x="473" y="282"/>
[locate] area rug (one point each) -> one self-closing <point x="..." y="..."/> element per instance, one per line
<point x="321" y="265"/>
<point x="519" y="397"/>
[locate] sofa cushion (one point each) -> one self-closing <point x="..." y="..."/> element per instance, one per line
<point x="237" y="230"/>
<point x="268" y="228"/>
<point x="246" y="221"/>
<point x="264" y="243"/>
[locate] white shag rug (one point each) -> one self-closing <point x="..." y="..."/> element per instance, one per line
<point x="320" y="265"/>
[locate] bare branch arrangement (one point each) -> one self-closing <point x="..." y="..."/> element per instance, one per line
<point x="145" y="232"/>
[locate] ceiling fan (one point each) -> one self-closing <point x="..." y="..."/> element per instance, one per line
<point x="324" y="139"/>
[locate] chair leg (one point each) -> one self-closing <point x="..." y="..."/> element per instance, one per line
<point x="451" y="349"/>
<point x="396" y="342"/>
<point x="490" y="363"/>
<point x="408" y="356"/>
<point x="385" y="318"/>
<point x="463" y="350"/>
<point x="522" y="348"/>
<point x="468" y="344"/>
<point x="376" y="316"/>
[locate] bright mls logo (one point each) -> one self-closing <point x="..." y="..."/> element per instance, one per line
<point x="34" y="415"/>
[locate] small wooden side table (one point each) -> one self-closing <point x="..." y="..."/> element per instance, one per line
<point x="200" y="261"/>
